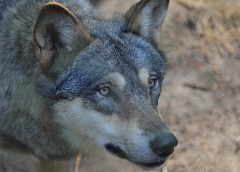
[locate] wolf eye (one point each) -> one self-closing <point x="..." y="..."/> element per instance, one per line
<point x="104" y="91"/>
<point x="153" y="82"/>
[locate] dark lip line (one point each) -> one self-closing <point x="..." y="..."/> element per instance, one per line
<point x="121" y="154"/>
<point x="151" y="165"/>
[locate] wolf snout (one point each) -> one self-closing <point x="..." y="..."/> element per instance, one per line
<point x="163" y="144"/>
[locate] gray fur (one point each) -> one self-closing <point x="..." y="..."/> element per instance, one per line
<point x="4" y="5"/>
<point x="28" y="94"/>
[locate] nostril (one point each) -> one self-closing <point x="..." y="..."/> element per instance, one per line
<point x="165" y="153"/>
<point x="164" y="144"/>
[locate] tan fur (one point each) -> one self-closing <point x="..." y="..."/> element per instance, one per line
<point x="118" y="80"/>
<point x="144" y="76"/>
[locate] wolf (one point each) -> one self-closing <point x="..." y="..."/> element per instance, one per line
<point x="71" y="82"/>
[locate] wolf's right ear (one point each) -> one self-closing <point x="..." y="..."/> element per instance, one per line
<point x="57" y="28"/>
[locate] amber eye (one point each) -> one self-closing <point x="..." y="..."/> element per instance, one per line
<point x="104" y="91"/>
<point x="153" y="82"/>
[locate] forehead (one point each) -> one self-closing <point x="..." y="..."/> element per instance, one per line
<point x="113" y="50"/>
<point x="142" y="54"/>
<point x="125" y="54"/>
<point x="122" y="53"/>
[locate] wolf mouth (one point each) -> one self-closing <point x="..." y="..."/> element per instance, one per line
<point x="116" y="150"/>
<point x="151" y="165"/>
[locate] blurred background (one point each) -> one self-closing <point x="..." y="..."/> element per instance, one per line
<point x="200" y="98"/>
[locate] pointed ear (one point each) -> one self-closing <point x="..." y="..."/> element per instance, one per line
<point x="146" y="17"/>
<point x="57" y="28"/>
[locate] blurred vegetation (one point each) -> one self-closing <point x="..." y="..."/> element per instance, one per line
<point x="209" y="22"/>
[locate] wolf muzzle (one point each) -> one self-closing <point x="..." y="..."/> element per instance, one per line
<point x="162" y="145"/>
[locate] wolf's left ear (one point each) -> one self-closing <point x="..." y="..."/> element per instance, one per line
<point x="57" y="28"/>
<point x="146" y="17"/>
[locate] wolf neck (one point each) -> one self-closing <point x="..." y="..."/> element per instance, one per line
<point x="32" y="122"/>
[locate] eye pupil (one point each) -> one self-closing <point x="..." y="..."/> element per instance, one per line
<point x="153" y="82"/>
<point x="104" y="91"/>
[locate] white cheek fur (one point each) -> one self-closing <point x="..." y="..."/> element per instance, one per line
<point x="85" y="124"/>
<point x="88" y="129"/>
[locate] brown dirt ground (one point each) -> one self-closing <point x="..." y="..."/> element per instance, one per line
<point x="200" y="99"/>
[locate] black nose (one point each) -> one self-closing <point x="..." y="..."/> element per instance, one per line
<point x="163" y="144"/>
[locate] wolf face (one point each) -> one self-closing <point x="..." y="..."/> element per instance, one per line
<point x="105" y="80"/>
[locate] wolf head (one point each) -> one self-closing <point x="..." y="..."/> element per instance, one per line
<point x="105" y="79"/>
